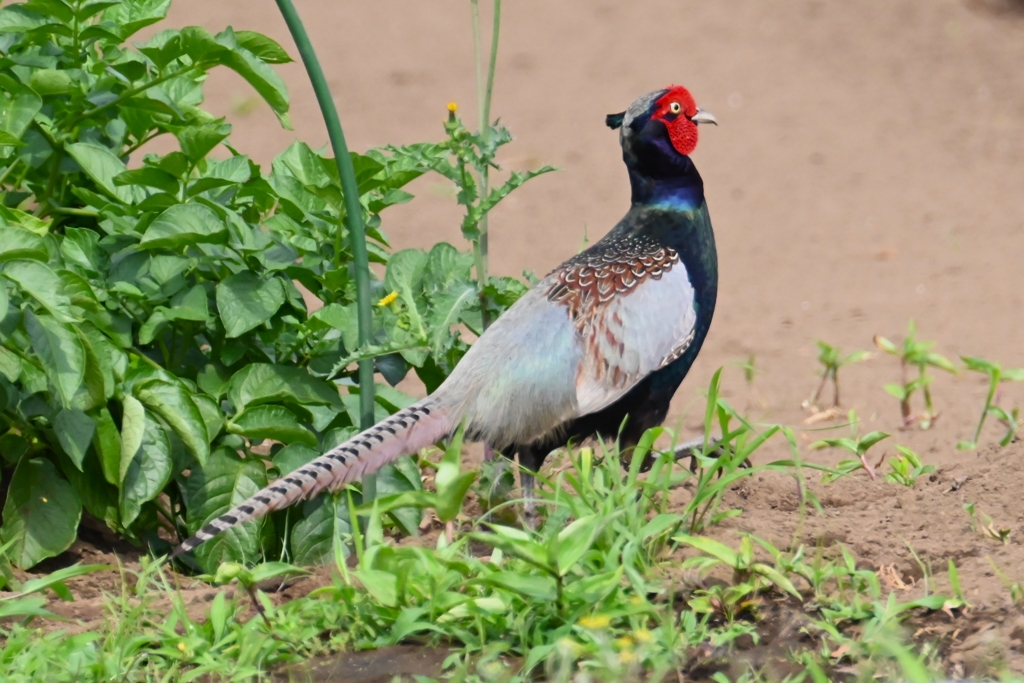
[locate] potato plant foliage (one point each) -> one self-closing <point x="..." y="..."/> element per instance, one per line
<point x="152" y="336"/>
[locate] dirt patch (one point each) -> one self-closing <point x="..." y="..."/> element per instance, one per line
<point x="403" y="662"/>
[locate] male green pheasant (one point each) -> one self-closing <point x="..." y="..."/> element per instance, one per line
<point x="597" y="348"/>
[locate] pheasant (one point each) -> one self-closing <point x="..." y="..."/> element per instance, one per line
<point x="597" y="348"/>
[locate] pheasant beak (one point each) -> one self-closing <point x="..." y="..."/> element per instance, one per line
<point x="704" y="117"/>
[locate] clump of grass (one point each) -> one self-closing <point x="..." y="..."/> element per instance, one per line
<point x="914" y="355"/>
<point x="996" y="376"/>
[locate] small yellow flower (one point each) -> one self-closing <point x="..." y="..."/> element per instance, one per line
<point x="643" y="635"/>
<point x="388" y="300"/>
<point x="595" y="622"/>
<point x="624" y="643"/>
<point x="452" y="107"/>
<point x="182" y="647"/>
<point x="627" y="657"/>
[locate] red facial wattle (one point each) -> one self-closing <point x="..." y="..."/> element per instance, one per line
<point x="675" y="109"/>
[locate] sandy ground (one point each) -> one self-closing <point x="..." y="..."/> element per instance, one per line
<point x="868" y="169"/>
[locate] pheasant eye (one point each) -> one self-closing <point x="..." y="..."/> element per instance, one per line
<point x="675" y="108"/>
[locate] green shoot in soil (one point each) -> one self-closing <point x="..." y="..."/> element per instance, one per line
<point x="832" y="359"/>
<point x="996" y="376"/>
<point x="858" y="446"/>
<point x="913" y="355"/>
<point x="907" y="467"/>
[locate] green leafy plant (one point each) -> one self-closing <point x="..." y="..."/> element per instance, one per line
<point x="914" y="355"/>
<point x="152" y="339"/>
<point x="907" y="467"/>
<point x="858" y="446"/>
<point x="996" y="376"/>
<point x="831" y="359"/>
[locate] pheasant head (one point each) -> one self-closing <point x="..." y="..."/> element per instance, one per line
<point x="659" y="130"/>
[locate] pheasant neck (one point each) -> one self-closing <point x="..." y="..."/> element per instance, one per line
<point x="674" y="185"/>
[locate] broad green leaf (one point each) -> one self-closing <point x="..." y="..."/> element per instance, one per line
<point x="224" y="482"/>
<point x="381" y="585"/>
<point x="213" y="416"/>
<point x="19" y="19"/>
<point x="20" y="107"/>
<point x="6" y="139"/>
<point x="173" y="403"/>
<point x="264" y="383"/>
<point x="536" y="586"/>
<point x="711" y="547"/>
<point x="776" y="577"/>
<point x="591" y="590"/>
<point x="74" y="431"/>
<point x="260" y="76"/>
<point x="133" y="428"/>
<point x="266" y="571"/>
<point x="80" y="246"/>
<point x="198" y="141"/>
<point x="447" y="310"/>
<point x="405" y="276"/>
<point x="148" y="472"/>
<point x="575" y="540"/>
<point x="869" y="440"/>
<point x="18" y="243"/>
<point x="149" y="177"/>
<point x="271" y="422"/>
<point x="303" y="164"/>
<point x="324" y="520"/>
<point x="134" y="15"/>
<point x="263" y="47"/>
<point x="451" y="483"/>
<point x="246" y="302"/>
<point x="43" y="285"/>
<point x="184" y="225"/>
<point x="41" y="513"/>
<point x="402" y="476"/>
<point x="102" y="165"/>
<point x="61" y="352"/>
<point x="292" y="457"/>
<point x="516" y="542"/>
<point x="107" y="444"/>
<point x="50" y="81"/>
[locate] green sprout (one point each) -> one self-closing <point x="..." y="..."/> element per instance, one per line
<point x="858" y="446"/>
<point x="832" y="359"/>
<point x="996" y="376"/>
<point x="917" y="355"/>
<point x="907" y="468"/>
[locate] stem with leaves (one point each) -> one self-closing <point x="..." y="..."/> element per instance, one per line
<point x="483" y="99"/>
<point x="353" y="219"/>
<point x="996" y="375"/>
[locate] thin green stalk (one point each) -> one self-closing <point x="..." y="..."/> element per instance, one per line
<point x="483" y="100"/>
<point x="353" y="212"/>
<point x="993" y="386"/>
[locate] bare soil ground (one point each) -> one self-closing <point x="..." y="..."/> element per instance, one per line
<point x="868" y="169"/>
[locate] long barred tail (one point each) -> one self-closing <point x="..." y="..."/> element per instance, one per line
<point x="405" y="432"/>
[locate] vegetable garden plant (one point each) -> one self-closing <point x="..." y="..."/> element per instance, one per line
<point x="158" y="362"/>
